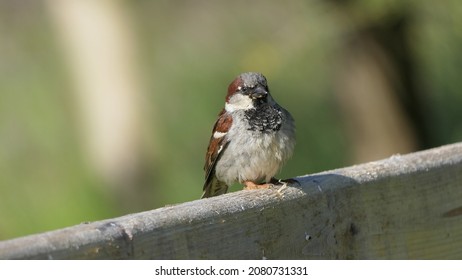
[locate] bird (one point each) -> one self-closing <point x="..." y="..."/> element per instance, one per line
<point x="251" y="140"/>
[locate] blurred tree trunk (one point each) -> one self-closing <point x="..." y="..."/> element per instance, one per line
<point x="100" y="49"/>
<point x="376" y="87"/>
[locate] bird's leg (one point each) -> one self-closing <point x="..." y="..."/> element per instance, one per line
<point x="249" y="185"/>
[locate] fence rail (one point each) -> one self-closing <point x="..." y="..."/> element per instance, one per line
<point x="403" y="207"/>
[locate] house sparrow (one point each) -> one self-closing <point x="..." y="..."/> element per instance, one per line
<point x="251" y="140"/>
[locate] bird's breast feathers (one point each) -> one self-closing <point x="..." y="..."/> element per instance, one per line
<point x="253" y="154"/>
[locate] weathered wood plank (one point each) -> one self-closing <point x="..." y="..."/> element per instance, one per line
<point x="403" y="207"/>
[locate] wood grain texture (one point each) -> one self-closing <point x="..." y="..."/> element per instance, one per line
<point x="403" y="207"/>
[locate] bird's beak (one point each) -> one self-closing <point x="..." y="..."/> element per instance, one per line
<point x="258" y="92"/>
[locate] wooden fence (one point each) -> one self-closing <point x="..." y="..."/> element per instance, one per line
<point x="403" y="207"/>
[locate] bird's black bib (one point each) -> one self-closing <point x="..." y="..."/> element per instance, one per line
<point x="264" y="118"/>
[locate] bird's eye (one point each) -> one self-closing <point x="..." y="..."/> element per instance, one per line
<point x="242" y="88"/>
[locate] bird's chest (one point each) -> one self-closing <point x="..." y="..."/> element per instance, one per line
<point x="255" y="130"/>
<point x="265" y="119"/>
<point x="256" y="148"/>
<point x="255" y="139"/>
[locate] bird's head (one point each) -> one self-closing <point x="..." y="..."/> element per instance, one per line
<point x="247" y="91"/>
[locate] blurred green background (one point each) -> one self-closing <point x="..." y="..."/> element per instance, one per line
<point x="106" y="107"/>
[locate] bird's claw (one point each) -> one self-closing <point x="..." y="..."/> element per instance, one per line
<point x="280" y="187"/>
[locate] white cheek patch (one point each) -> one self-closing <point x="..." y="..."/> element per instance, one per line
<point x="218" y="134"/>
<point x="239" y="102"/>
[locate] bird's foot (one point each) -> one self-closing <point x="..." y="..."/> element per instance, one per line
<point x="249" y="185"/>
<point x="281" y="185"/>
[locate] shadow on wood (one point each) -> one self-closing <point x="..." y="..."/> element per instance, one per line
<point x="403" y="207"/>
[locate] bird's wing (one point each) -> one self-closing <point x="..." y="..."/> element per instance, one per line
<point x="217" y="145"/>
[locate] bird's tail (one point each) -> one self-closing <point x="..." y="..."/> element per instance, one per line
<point x="214" y="187"/>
